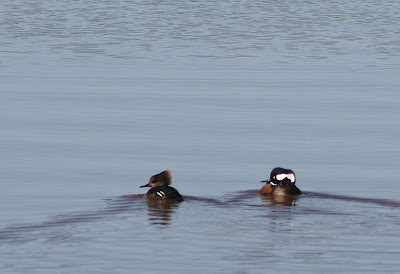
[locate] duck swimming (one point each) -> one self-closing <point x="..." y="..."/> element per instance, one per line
<point x="281" y="182"/>
<point x="160" y="189"/>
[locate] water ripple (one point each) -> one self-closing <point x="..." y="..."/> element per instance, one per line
<point x="234" y="29"/>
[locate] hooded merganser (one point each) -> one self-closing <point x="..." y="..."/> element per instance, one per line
<point x="281" y="182"/>
<point x="160" y="188"/>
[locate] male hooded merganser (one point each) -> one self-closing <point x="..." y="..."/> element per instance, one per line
<point x="160" y="188"/>
<point x="281" y="182"/>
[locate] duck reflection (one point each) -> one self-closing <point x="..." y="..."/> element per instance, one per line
<point x="285" y="200"/>
<point x="161" y="211"/>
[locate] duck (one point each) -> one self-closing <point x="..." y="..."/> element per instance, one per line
<point x="160" y="189"/>
<point x="281" y="182"/>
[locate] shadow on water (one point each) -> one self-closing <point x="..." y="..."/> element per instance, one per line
<point x="161" y="213"/>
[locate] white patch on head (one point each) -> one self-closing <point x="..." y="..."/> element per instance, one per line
<point x="282" y="176"/>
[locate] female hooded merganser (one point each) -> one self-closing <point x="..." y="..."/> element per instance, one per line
<point x="160" y="188"/>
<point x="281" y="182"/>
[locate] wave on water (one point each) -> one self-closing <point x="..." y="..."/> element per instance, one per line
<point x="382" y="202"/>
<point x="161" y="213"/>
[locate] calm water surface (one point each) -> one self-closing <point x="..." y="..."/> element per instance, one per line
<point x="97" y="96"/>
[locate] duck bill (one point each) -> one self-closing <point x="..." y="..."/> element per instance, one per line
<point x="146" y="185"/>
<point x="269" y="182"/>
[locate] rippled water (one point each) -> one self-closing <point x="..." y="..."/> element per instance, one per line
<point x="97" y="96"/>
<point x="237" y="233"/>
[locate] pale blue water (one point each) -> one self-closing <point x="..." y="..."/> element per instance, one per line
<point x="97" y="96"/>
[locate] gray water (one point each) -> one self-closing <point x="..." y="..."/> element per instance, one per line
<point x="97" y="96"/>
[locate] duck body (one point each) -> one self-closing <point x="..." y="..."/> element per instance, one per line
<point x="282" y="181"/>
<point x="160" y="189"/>
<point x="164" y="193"/>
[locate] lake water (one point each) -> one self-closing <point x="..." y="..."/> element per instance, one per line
<point x="97" y="96"/>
